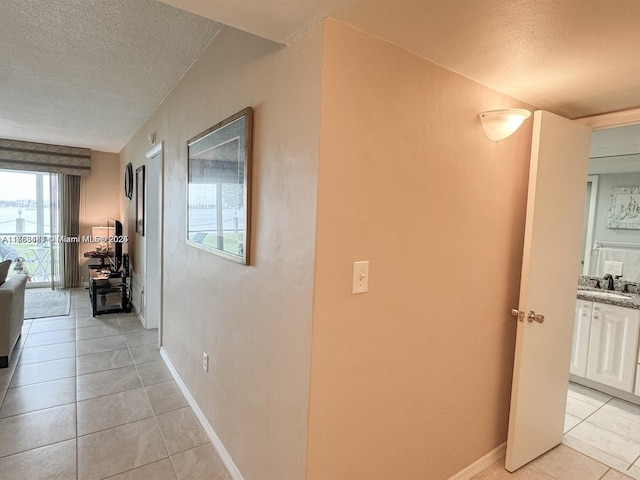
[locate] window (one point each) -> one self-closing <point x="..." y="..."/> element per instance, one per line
<point x="25" y="222"/>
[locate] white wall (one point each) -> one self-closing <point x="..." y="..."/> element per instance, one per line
<point x="602" y="233"/>
<point x="254" y="321"/>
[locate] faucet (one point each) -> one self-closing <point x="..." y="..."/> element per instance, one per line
<point x="609" y="279"/>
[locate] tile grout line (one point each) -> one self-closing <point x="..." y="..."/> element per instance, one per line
<point x="75" y="315"/>
<point x="155" y="417"/>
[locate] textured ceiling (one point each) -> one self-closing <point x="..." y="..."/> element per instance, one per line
<point x="572" y="57"/>
<point x="89" y="73"/>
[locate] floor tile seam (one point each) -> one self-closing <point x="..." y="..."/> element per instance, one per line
<point x="75" y="358"/>
<point x="533" y="467"/>
<point x="96" y="353"/>
<point x="136" y="468"/>
<point x="45" y="381"/>
<point x="597" y="409"/>
<point x="623" y="460"/>
<point x="155" y="416"/>
<point x="580" y="398"/>
<point x="42" y="361"/>
<point x="38" y="409"/>
<point x="99" y="371"/>
<point x="101" y="336"/>
<point x="614" y="432"/>
<point x="49" y="331"/>
<point x="107" y="394"/>
<point x="109" y="369"/>
<point x="39" y="383"/>
<point x="38" y="447"/>
<point x="48" y="344"/>
<point x="80" y="435"/>
<point x="52" y="330"/>
<point x="629" y="416"/>
<point x="565" y="433"/>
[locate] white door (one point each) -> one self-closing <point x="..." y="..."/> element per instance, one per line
<point x="613" y="346"/>
<point x="153" y="238"/>
<point x="555" y="209"/>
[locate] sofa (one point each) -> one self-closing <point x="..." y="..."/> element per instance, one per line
<point x="11" y="315"/>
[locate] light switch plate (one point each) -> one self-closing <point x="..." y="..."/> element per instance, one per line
<point x="360" y="277"/>
<point x="614" y="268"/>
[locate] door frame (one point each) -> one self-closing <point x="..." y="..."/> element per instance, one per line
<point x="610" y="120"/>
<point x="154" y="235"/>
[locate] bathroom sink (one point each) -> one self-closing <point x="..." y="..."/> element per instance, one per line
<point x="611" y="295"/>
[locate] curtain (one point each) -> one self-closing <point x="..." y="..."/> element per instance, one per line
<point x="54" y="212"/>
<point x="41" y="157"/>
<point x="65" y="226"/>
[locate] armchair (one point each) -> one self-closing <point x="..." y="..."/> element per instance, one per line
<point x="11" y="315"/>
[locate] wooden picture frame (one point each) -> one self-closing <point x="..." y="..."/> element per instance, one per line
<point x="140" y="194"/>
<point x="219" y="188"/>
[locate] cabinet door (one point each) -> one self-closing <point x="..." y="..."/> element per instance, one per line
<point x="581" y="332"/>
<point x="613" y="345"/>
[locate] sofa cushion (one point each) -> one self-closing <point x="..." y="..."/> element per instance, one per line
<point x="4" y="270"/>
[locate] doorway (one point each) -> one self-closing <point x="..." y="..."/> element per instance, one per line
<point x="602" y="422"/>
<point x="154" y="203"/>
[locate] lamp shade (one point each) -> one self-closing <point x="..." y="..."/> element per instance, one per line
<point x="499" y="124"/>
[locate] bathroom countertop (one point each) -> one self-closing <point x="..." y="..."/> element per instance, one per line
<point x="631" y="301"/>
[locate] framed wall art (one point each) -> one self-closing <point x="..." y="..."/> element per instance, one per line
<point x="219" y="188"/>
<point x="624" y="208"/>
<point x="140" y="185"/>
<point x="128" y="181"/>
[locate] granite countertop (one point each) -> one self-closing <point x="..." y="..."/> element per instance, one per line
<point x="631" y="300"/>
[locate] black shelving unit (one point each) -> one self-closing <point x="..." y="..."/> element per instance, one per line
<point x="109" y="292"/>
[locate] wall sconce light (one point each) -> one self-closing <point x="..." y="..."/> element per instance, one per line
<point x="499" y="124"/>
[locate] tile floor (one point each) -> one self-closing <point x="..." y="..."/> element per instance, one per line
<point x="601" y="442"/>
<point x="90" y="398"/>
<point x="604" y="428"/>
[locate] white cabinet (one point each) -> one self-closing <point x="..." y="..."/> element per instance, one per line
<point x="613" y="346"/>
<point x="581" y="332"/>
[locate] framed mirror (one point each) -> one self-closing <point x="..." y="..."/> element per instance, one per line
<point x="219" y="188"/>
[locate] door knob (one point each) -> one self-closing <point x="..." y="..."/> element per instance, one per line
<point x="519" y="314"/>
<point x="531" y="317"/>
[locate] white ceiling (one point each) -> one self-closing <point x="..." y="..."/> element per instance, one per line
<point x="89" y="72"/>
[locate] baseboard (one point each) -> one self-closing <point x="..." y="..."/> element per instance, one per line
<point x="215" y="440"/>
<point x="480" y="464"/>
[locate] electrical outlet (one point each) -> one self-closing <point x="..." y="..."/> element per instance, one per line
<point x="205" y="361"/>
<point x="614" y="268"/>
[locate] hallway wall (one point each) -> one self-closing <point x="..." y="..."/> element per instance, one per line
<point x="253" y="321"/>
<point x="412" y="379"/>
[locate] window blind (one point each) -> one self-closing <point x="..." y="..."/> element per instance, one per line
<point x="41" y="157"/>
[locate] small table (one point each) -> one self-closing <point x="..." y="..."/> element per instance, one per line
<point x="100" y="255"/>
<point x="109" y="292"/>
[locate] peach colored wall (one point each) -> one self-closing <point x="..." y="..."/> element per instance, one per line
<point x="412" y="379"/>
<point x="100" y="195"/>
<point x="254" y="321"/>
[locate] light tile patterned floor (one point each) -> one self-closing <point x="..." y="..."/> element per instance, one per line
<point x="601" y="442"/>
<point x="604" y="428"/>
<point x="90" y="398"/>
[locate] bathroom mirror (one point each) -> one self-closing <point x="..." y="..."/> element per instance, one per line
<point x="614" y="163"/>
